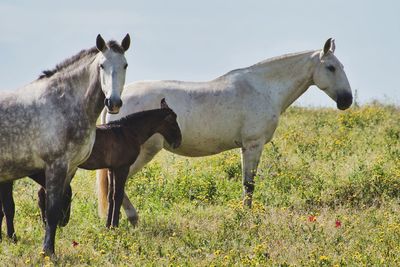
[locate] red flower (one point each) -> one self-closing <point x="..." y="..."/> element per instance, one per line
<point x="75" y="244"/>
<point x="312" y="218"/>
<point x="338" y="224"/>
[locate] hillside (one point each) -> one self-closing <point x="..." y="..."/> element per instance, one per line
<point x="327" y="194"/>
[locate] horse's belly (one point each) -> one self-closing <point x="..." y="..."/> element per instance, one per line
<point x="209" y="135"/>
<point x="15" y="170"/>
<point x="205" y="146"/>
<point x="198" y="151"/>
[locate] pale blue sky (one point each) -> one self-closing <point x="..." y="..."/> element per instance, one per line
<point x="200" y="40"/>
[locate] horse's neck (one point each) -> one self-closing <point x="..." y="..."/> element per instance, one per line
<point x="286" y="78"/>
<point x="94" y="96"/>
<point x="81" y="82"/>
<point x="85" y="83"/>
<point x="146" y="127"/>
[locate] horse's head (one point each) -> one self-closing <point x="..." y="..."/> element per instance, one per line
<point x="330" y="77"/>
<point x="169" y="127"/>
<point x="112" y="66"/>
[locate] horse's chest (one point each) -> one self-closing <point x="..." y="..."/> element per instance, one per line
<point x="81" y="146"/>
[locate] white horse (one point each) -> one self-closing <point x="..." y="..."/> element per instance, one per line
<point x="240" y="109"/>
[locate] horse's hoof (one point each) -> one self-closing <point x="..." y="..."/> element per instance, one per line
<point x="247" y="202"/>
<point x="133" y="221"/>
<point x="13" y="238"/>
<point x="47" y="252"/>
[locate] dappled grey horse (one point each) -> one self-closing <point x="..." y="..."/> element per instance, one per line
<point x="49" y="125"/>
<point x="240" y="109"/>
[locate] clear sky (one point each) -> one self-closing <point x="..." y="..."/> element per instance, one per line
<point x="200" y="40"/>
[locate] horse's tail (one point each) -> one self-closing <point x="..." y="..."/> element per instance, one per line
<point x="102" y="192"/>
<point x="102" y="181"/>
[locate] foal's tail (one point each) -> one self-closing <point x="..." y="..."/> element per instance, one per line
<point x="102" y="192"/>
<point x="102" y="181"/>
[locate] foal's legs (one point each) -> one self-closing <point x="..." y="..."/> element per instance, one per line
<point x="147" y="152"/>
<point x="111" y="182"/>
<point x="8" y="204"/>
<point x="119" y="176"/>
<point x="251" y="153"/>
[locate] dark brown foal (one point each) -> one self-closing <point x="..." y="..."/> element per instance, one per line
<point x="117" y="146"/>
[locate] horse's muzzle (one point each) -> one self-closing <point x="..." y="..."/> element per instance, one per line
<point x="113" y="106"/>
<point x="176" y="144"/>
<point x="344" y="100"/>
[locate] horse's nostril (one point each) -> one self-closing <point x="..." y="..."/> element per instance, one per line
<point x="344" y="100"/>
<point x="118" y="103"/>
<point x="107" y="102"/>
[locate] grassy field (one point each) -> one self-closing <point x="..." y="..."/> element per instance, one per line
<point x="327" y="194"/>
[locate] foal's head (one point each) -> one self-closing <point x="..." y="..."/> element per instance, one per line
<point x="330" y="77"/>
<point x="169" y="127"/>
<point x="112" y="66"/>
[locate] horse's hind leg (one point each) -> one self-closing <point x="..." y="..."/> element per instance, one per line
<point x="119" y="176"/>
<point x="8" y="207"/>
<point x="41" y="180"/>
<point x="130" y="211"/>
<point x="1" y="216"/>
<point x="66" y="206"/>
<point x="42" y="203"/>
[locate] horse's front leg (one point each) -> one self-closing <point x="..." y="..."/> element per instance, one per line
<point x="57" y="176"/>
<point x="120" y="176"/>
<point x="8" y="204"/>
<point x="251" y="153"/>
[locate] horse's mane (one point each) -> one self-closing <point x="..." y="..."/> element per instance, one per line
<point x="272" y="59"/>
<point x="83" y="53"/>
<point x="268" y="60"/>
<point x="136" y="117"/>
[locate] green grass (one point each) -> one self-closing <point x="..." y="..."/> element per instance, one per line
<point x="324" y="167"/>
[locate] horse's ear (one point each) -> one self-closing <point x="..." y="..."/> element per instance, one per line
<point x="163" y="104"/>
<point x="126" y="42"/>
<point x="100" y="43"/>
<point x="333" y="46"/>
<point x="329" y="46"/>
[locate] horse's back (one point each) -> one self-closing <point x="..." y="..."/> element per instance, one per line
<point x="209" y="114"/>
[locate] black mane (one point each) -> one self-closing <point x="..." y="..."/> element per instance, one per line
<point x="83" y="53"/>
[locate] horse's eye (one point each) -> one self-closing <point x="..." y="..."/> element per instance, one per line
<point x="102" y="66"/>
<point x="331" y="68"/>
<point x="126" y="65"/>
